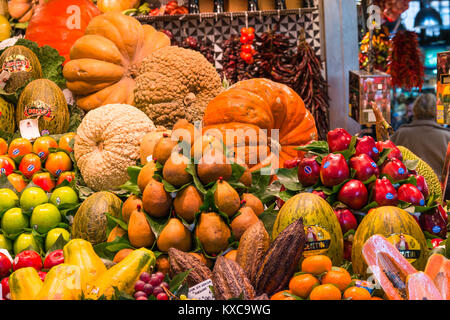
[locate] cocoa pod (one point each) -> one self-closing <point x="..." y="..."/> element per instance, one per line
<point x="181" y="261"/>
<point x="262" y="297"/>
<point x="281" y="260"/>
<point x="229" y="281"/>
<point x="252" y="246"/>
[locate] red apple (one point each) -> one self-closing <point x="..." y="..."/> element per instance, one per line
<point x="366" y="145"/>
<point x="338" y="140"/>
<point x="5" y="287"/>
<point x="436" y="242"/>
<point x="7" y="165"/>
<point x="346" y="219"/>
<point x="5" y="265"/>
<point x="421" y="185"/>
<point x="334" y="170"/>
<point x="42" y="275"/>
<point x="30" y="164"/>
<point x="395" y="169"/>
<point x="384" y="193"/>
<point x="434" y="223"/>
<point x="280" y="202"/>
<point x="292" y="163"/>
<point x="27" y="258"/>
<point x="308" y="171"/>
<point x="364" y="166"/>
<point x="354" y="194"/>
<point x="53" y="259"/>
<point x="395" y="152"/>
<point x="320" y="194"/>
<point x="443" y="212"/>
<point x="411" y="194"/>
<point x="44" y="180"/>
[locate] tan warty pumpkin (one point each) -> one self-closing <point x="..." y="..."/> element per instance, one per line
<point x="261" y="104"/>
<point x="104" y="62"/>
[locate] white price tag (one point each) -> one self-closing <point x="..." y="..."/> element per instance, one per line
<point x="370" y="115"/>
<point x="201" y="291"/>
<point x="29" y="129"/>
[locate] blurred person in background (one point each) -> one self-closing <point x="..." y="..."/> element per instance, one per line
<point x="423" y="136"/>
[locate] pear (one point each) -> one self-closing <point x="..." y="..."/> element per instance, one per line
<point x="246" y="177"/>
<point x="174" y="235"/>
<point x="139" y="232"/>
<point x="204" y="145"/>
<point x="131" y="204"/>
<point x="243" y="221"/>
<point x="202" y="258"/>
<point x="226" y="198"/>
<point x="163" y="148"/>
<point x="146" y="174"/>
<point x="190" y="132"/>
<point x="212" y="166"/>
<point x="187" y="203"/>
<point x="213" y="233"/>
<point x="252" y="201"/>
<point x="174" y="170"/>
<point x="156" y="200"/>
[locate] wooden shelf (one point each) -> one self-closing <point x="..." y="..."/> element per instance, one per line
<point x="230" y="15"/>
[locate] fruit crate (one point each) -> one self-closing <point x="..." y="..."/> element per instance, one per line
<point x="443" y="88"/>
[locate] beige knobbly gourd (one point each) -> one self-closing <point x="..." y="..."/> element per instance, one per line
<point x="107" y="143"/>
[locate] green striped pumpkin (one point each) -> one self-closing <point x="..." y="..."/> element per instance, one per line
<point x="315" y="211"/>
<point x="387" y="221"/>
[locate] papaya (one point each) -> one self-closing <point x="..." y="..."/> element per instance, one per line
<point x="80" y="253"/>
<point x="25" y="284"/>
<point x="63" y="282"/>
<point x="389" y="267"/>
<point x="421" y="287"/>
<point x="438" y="269"/>
<point x="123" y="275"/>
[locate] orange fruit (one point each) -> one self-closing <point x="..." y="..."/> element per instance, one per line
<point x="19" y="147"/>
<point x="376" y="298"/>
<point x="7" y="165"/>
<point x="303" y="284"/>
<point x="325" y="292"/>
<point x="3" y="147"/>
<point x="122" y="254"/>
<point x="231" y="255"/>
<point x="57" y="163"/>
<point x="316" y="264"/>
<point x="68" y="175"/>
<point x="65" y="140"/>
<point x="30" y="164"/>
<point x="42" y="145"/>
<point x="281" y="296"/>
<point x="17" y="181"/>
<point x="357" y="293"/>
<point x="338" y="278"/>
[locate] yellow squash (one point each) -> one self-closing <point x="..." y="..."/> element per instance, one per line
<point x="124" y="274"/>
<point x="63" y="282"/>
<point x="25" y="284"/>
<point x="80" y="253"/>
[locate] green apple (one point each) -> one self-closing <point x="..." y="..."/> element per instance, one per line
<point x="53" y="235"/>
<point x="63" y="195"/>
<point x="5" y="243"/>
<point x="24" y="241"/>
<point x="8" y="199"/>
<point x="45" y="217"/>
<point x="14" y="221"/>
<point x="32" y="197"/>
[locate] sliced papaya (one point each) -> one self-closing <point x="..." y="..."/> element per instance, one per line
<point x="388" y="266"/>
<point x="421" y="287"/>
<point x="438" y="269"/>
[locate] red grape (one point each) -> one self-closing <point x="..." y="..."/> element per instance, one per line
<point x="162" y="296"/>
<point x="164" y="284"/>
<point x="145" y="276"/>
<point x="155" y="281"/>
<point x="139" y="285"/>
<point x="160" y="275"/>
<point x="138" y="294"/>
<point x="142" y="298"/>
<point x="157" y="290"/>
<point x="148" y="289"/>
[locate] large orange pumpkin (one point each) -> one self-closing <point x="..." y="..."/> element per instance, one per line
<point x="262" y="104"/>
<point x="105" y="61"/>
<point x="116" y="5"/>
<point x="59" y="23"/>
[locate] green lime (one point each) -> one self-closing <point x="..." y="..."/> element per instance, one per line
<point x="5" y="243"/>
<point x="24" y="241"/>
<point x="8" y="199"/>
<point x="53" y="235"/>
<point x="14" y="221"/>
<point x="32" y="197"/>
<point x="45" y="217"/>
<point x="63" y="195"/>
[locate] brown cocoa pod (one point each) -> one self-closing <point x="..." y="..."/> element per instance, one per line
<point x="281" y="260"/>
<point x="262" y="297"/>
<point x="181" y="261"/>
<point x="252" y="246"/>
<point x="229" y="281"/>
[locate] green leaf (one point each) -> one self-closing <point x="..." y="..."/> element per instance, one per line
<point x="315" y="147"/>
<point x="371" y="205"/>
<point x="193" y="172"/>
<point x="157" y="225"/>
<point x="351" y="150"/>
<point x="117" y="221"/>
<point x="178" y="280"/>
<point x="411" y="165"/>
<point x="383" y="156"/>
<point x="131" y="187"/>
<point x="260" y="187"/>
<point x="107" y="250"/>
<point x="289" y="179"/>
<point x="133" y="173"/>
<point x="370" y="180"/>
<point x="268" y="218"/>
<point x="237" y="172"/>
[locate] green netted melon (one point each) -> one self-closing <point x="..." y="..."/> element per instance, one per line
<point x="44" y="100"/>
<point x="326" y="237"/>
<point x="389" y="221"/>
<point x="22" y="65"/>
<point x="90" y="222"/>
<point x="7" y="122"/>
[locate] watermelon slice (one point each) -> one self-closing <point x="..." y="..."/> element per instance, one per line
<point x="438" y="269"/>
<point x="388" y="266"/>
<point x="421" y="287"/>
